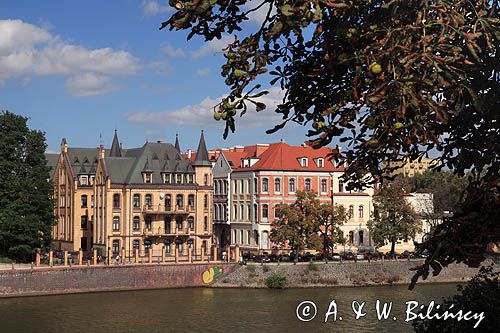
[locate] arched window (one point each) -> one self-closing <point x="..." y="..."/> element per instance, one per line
<point x="234" y="237"/>
<point x="255" y="214"/>
<point x="249" y="185"/>
<point x="265" y="185"/>
<point x="205" y="201"/>
<point x="307" y="184"/>
<point x="167" y="246"/>
<point x="179" y="244"/>
<point x="116" y="201"/>
<point x="136" y="223"/>
<point x="291" y="185"/>
<point x="265" y="211"/>
<point x="190" y="243"/>
<point x="84" y="201"/>
<point x="277" y="185"/>
<point x="241" y="212"/>
<point x="361" y="235"/>
<point x="168" y="202"/>
<point x="190" y="222"/>
<point x="235" y="212"/>
<point x="248" y="237"/>
<point x="167" y="221"/>
<point x="135" y="244"/>
<point x="179" y="201"/>
<point x="351" y="211"/>
<point x="116" y="223"/>
<point x="147" y="244"/>
<point x="149" y="222"/>
<point x="178" y="222"/>
<point x="324" y="186"/>
<point x="116" y="247"/>
<point x="351" y="237"/>
<point x="341" y="186"/>
<point x="216" y="187"/>
<point x="137" y="200"/>
<point x="191" y="201"/>
<point x="148" y="200"/>
<point x="360" y="211"/>
<point x="242" y="186"/>
<point x="242" y="241"/>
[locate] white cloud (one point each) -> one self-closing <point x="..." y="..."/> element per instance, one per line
<point x="203" y="72"/>
<point x="90" y="84"/>
<point x="170" y="51"/>
<point x="152" y="7"/>
<point x="201" y="114"/>
<point x="26" y="49"/>
<point x="258" y="16"/>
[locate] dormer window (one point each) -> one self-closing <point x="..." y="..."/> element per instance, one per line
<point x="148" y="177"/>
<point x="320" y="163"/>
<point x="179" y="178"/>
<point x="166" y="178"/>
<point x="304" y="162"/>
<point x="83" y="180"/>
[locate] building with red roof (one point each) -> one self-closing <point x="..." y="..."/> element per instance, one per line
<point x="251" y="181"/>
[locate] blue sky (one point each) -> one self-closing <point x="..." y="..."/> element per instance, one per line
<point x="78" y="69"/>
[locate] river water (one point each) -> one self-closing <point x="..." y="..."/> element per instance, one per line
<point x="213" y="310"/>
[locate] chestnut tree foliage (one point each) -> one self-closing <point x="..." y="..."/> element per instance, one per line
<point x="392" y="79"/>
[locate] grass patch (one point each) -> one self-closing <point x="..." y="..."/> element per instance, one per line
<point x="251" y="268"/>
<point x="277" y="280"/>
<point x="265" y="269"/>
<point x="313" y="267"/>
<point x="5" y="260"/>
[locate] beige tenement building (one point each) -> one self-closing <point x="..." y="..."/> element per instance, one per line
<point x="412" y="168"/>
<point x="150" y="199"/>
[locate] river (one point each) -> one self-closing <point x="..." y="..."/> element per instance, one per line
<point x="212" y="310"/>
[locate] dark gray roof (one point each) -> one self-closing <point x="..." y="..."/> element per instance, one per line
<point x="84" y="160"/>
<point x="202" y="153"/>
<point x="157" y="158"/>
<point x="116" y="150"/>
<point x="177" y="145"/>
<point x="51" y="162"/>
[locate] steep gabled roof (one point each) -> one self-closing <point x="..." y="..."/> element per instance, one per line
<point x="202" y="153"/>
<point x="116" y="150"/>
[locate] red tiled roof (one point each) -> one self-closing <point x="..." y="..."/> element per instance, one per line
<point x="281" y="156"/>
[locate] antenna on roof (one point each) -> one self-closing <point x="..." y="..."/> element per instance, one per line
<point x="100" y="139"/>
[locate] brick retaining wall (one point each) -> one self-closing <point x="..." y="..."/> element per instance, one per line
<point x="45" y="281"/>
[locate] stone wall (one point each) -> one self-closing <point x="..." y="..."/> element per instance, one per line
<point x="319" y="274"/>
<point x="46" y="281"/>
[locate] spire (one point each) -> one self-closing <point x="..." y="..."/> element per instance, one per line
<point x="202" y="153"/>
<point x="177" y="145"/>
<point x="116" y="151"/>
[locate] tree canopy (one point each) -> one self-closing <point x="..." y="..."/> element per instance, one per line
<point x="393" y="79"/>
<point x="393" y="218"/>
<point x="26" y="209"/>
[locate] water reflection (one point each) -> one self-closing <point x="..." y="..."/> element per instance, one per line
<point x="211" y="310"/>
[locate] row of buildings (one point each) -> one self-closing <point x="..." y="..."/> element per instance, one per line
<point x="157" y="198"/>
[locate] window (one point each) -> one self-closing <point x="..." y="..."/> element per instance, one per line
<point x="149" y="200"/>
<point x="191" y="222"/>
<point x="178" y="178"/>
<point x="147" y="178"/>
<point x="265" y="211"/>
<point x="360" y="211"/>
<point x="83" y="243"/>
<point x="147" y="245"/>
<point x="168" y="202"/>
<point x="83" y="180"/>
<point x="255" y="212"/>
<point x="178" y="222"/>
<point x="84" y="201"/>
<point x="324" y="186"/>
<point x="303" y="162"/>
<point x="92" y="180"/>
<point x="191" y="178"/>
<point x="242" y="212"/>
<point x="166" y="224"/>
<point x="241" y="237"/>
<point x="205" y="179"/>
<point x="291" y="185"/>
<point x="307" y="184"/>
<point x="361" y="235"/>
<point x="351" y="237"/>
<point x="249" y="186"/>
<point x="341" y="186"/>
<point x="216" y="187"/>
<point x="116" y="201"/>
<point x="149" y="222"/>
<point x="351" y="211"/>
<point x="179" y="244"/>
<point x="205" y="223"/>
<point x="205" y="201"/>
<point x="84" y="221"/>
<point x="320" y="162"/>
<point x="116" y="223"/>
<point x="167" y="246"/>
<point x="248" y="237"/>
<point x="92" y="201"/>
<point x="255" y="185"/>
<point x="136" y="223"/>
<point x="265" y="185"/>
<point x="135" y="244"/>
<point x="116" y="247"/>
<point x="190" y="243"/>
<point x="179" y="200"/>
<point x="235" y="212"/>
<point x="277" y="185"/>
<point x="167" y="178"/>
<point x="191" y="201"/>
<point x="137" y="200"/>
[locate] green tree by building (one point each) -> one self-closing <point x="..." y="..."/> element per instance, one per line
<point x="393" y="218"/>
<point x="26" y="208"/>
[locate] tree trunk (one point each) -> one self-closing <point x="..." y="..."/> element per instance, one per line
<point x="393" y="246"/>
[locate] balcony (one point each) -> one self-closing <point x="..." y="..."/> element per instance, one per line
<point x="159" y="231"/>
<point x="162" y="209"/>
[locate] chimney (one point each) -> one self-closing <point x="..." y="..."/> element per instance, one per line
<point x="261" y="148"/>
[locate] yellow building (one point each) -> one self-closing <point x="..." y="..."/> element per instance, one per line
<point x="148" y="198"/>
<point x="412" y="168"/>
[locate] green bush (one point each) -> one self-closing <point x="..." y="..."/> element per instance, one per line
<point x="276" y="280"/>
<point x="251" y="268"/>
<point x="265" y="269"/>
<point x="313" y="267"/>
<point x="5" y="260"/>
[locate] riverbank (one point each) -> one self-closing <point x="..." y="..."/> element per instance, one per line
<point x="84" y="279"/>
<point x="348" y="274"/>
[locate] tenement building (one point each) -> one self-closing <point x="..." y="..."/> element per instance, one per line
<point x="250" y="182"/>
<point x="134" y="202"/>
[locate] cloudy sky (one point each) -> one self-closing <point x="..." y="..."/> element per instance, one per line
<point x="78" y="69"/>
